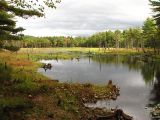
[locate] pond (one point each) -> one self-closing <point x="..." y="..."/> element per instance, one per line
<point x="136" y="77"/>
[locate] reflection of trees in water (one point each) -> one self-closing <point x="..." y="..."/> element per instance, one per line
<point x="155" y="93"/>
<point x="136" y="63"/>
<point x="148" y="72"/>
<point x="100" y="64"/>
<point x="127" y="60"/>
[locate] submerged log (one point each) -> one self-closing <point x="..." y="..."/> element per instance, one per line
<point x="78" y="58"/>
<point x="110" y="83"/>
<point x="47" y="66"/>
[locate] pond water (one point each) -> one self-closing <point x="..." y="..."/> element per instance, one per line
<point x="135" y="75"/>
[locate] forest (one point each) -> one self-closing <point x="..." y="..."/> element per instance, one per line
<point x="146" y="36"/>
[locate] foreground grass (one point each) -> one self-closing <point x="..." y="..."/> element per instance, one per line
<point x="26" y="94"/>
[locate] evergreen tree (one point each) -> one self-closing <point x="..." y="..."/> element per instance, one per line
<point x="22" y="8"/>
<point x="8" y="28"/>
<point x="150" y="32"/>
<point x="34" y="5"/>
<point x="117" y="38"/>
<point x="156" y="9"/>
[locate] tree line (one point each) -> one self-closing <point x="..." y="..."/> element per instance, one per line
<point x="146" y="36"/>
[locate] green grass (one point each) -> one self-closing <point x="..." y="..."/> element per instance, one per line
<point x="76" y="49"/>
<point x="35" y="54"/>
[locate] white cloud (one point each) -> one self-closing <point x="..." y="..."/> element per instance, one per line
<point x="85" y="17"/>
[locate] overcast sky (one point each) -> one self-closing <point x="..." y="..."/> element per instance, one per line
<point x="85" y="17"/>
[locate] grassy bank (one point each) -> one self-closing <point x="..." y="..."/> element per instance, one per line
<point x="79" y="49"/>
<point x="26" y="94"/>
<point x="35" y="54"/>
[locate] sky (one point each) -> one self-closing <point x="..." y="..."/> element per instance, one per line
<point x="85" y="17"/>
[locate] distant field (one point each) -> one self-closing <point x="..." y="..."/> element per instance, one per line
<point x="76" y="49"/>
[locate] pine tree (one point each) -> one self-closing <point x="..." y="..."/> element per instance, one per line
<point x="9" y="9"/>
<point x="156" y="9"/>
<point x="8" y="28"/>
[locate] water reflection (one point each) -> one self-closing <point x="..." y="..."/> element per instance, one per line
<point x="156" y="89"/>
<point x="155" y="92"/>
<point x="136" y="63"/>
<point x="137" y="76"/>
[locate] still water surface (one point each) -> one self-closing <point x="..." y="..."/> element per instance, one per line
<point x="134" y="77"/>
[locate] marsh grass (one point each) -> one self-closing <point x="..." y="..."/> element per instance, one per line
<point x="36" y="54"/>
<point x="79" y="49"/>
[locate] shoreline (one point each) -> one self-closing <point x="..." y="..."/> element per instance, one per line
<point x="29" y="94"/>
